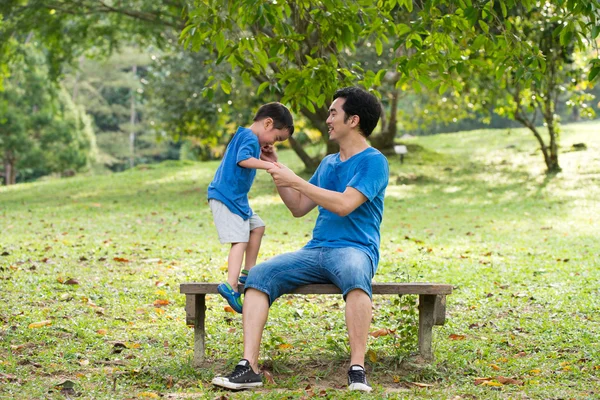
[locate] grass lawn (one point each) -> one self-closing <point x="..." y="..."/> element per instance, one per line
<point x="90" y="269"/>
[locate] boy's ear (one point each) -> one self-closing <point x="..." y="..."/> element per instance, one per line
<point x="268" y="123"/>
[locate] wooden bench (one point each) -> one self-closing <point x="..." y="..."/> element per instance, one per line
<point x="432" y="307"/>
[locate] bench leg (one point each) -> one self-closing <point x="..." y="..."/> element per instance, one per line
<point x="426" y="321"/>
<point x="440" y="310"/>
<point x="199" y="331"/>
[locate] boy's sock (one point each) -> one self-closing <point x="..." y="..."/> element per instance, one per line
<point x="233" y="298"/>
<point x="243" y="277"/>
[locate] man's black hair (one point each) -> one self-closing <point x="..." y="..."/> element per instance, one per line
<point x="282" y="118"/>
<point x="362" y="103"/>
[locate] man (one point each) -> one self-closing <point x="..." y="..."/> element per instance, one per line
<point x="348" y="187"/>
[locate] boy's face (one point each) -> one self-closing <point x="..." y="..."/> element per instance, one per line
<point x="270" y="134"/>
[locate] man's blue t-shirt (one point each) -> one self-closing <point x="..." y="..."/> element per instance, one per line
<point x="367" y="172"/>
<point x="232" y="183"/>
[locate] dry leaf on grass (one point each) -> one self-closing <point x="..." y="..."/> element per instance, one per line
<point x="161" y="303"/>
<point x="457" y="337"/>
<point x="268" y="376"/>
<point x="40" y="324"/>
<point x="381" y="332"/>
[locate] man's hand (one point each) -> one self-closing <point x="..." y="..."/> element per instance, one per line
<point x="267" y="153"/>
<point x="282" y="175"/>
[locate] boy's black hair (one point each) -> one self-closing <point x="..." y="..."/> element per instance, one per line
<point x="282" y="118"/>
<point x="362" y="103"/>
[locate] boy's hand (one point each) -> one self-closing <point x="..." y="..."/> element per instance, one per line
<point x="267" y="153"/>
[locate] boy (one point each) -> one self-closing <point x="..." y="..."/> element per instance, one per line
<point x="236" y="223"/>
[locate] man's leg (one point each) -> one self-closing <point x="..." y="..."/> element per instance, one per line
<point x="254" y="318"/>
<point x="358" y="321"/>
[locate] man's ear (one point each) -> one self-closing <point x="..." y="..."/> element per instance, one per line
<point x="354" y="121"/>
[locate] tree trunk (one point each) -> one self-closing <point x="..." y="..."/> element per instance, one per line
<point x="10" y="172"/>
<point x="552" y="159"/>
<point x="384" y="141"/>
<point x="132" y="123"/>
<point x="318" y="120"/>
<point x="310" y="163"/>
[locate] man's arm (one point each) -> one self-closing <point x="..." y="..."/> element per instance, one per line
<point x="338" y="203"/>
<point x="295" y="201"/>
<point x="255" y="163"/>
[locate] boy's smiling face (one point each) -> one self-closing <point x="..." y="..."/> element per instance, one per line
<point x="269" y="134"/>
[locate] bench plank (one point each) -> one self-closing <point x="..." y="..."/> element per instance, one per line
<point x="378" y="288"/>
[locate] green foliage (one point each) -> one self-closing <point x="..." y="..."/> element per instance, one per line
<point x="41" y="130"/>
<point x="179" y="110"/>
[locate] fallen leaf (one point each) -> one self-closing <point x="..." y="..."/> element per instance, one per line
<point x="8" y="377"/>
<point x="101" y="331"/>
<point x="83" y="363"/>
<point x="285" y="346"/>
<point x="268" y="376"/>
<point x="121" y="259"/>
<point x="229" y="309"/>
<point x="148" y="395"/>
<point x="479" y="381"/>
<point x="457" y="337"/>
<point x="423" y="385"/>
<point x="35" y="325"/>
<point x="381" y="332"/>
<point x="508" y="381"/>
<point x="71" y="281"/>
<point x="161" y="303"/>
<point x="372" y="356"/>
<point x="491" y="383"/>
<point x="535" y="371"/>
<point x="494" y="366"/>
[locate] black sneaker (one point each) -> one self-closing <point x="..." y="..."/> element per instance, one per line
<point x="242" y="377"/>
<point x="357" y="379"/>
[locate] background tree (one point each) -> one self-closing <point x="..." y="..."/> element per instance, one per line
<point x="305" y="50"/>
<point x="41" y="129"/>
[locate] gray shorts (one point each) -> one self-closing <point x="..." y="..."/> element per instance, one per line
<point x="231" y="227"/>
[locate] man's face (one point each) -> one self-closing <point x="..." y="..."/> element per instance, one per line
<point x="335" y="122"/>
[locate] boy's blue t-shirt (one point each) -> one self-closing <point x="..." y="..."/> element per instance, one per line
<point x="232" y="183"/>
<point x="367" y="172"/>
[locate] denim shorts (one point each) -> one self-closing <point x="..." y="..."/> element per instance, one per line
<point x="347" y="268"/>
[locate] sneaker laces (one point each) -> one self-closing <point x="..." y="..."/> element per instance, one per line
<point x="357" y="375"/>
<point x="238" y="371"/>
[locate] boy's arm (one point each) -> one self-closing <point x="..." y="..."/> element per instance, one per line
<point x="338" y="203"/>
<point x="255" y="163"/>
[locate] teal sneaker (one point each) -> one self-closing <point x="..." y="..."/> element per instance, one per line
<point x="243" y="277"/>
<point x="233" y="298"/>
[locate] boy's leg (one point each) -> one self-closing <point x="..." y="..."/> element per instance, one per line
<point x="257" y="230"/>
<point x="256" y="236"/>
<point x="234" y="263"/>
